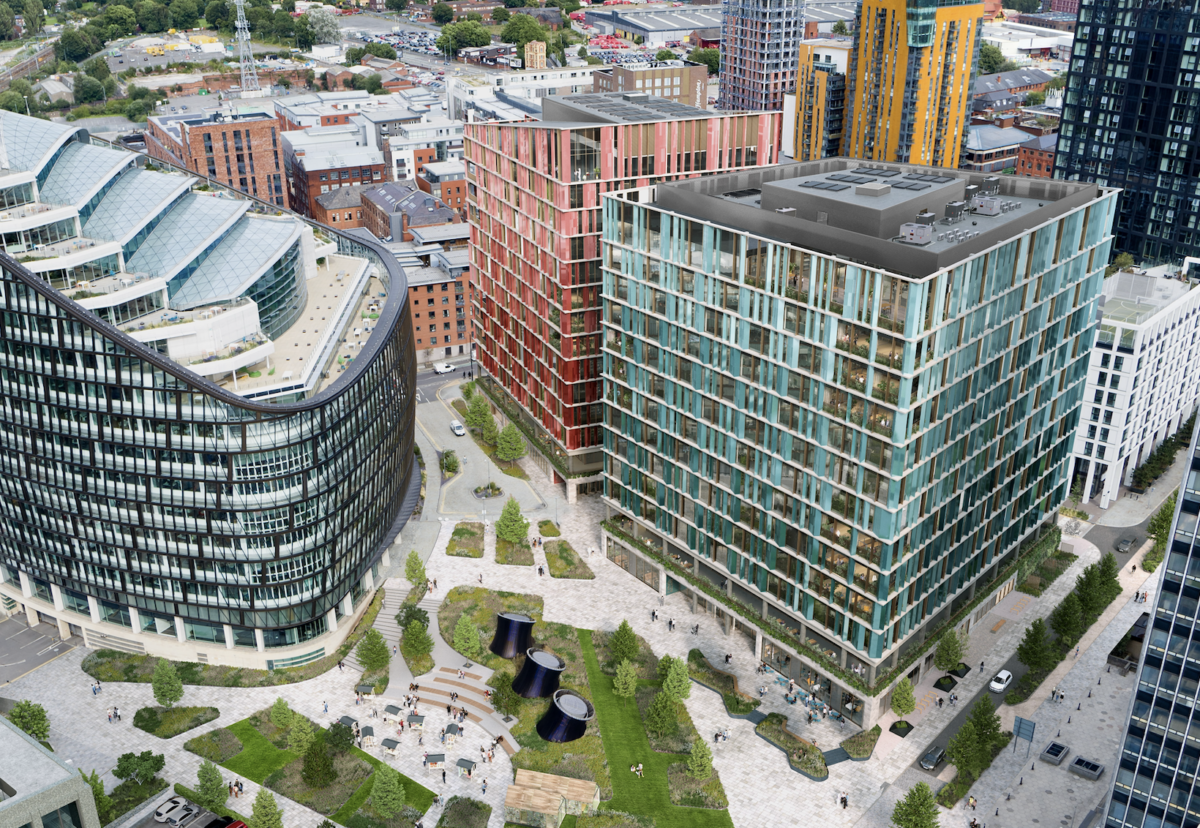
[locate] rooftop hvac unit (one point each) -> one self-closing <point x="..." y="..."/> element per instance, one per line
<point x="955" y="210"/>
<point x="991" y="186"/>
<point x="913" y="233"/>
<point x="926" y="217"/>
<point x="987" y="206"/>
<point x="970" y="193"/>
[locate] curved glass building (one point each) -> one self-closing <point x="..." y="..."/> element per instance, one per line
<point x="206" y="414"/>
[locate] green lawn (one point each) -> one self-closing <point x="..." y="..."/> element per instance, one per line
<point x="625" y="744"/>
<point x="259" y="758"/>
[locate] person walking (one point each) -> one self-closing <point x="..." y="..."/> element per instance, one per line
<point x="443" y="776"/>
<point x="485" y="786"/>
<point x="981" y="666"/>
<point x="230" y="790"/>
<point x="326" y="706"/>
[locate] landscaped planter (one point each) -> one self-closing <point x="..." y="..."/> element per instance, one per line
<point x="753" y="714"/>
<point x="945" y="684"/>
<point x="788" y="751"/>
<point x="961" y="671"/>
<point x="902" y="732"/>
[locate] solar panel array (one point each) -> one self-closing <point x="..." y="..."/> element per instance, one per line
<point x="825" y="185"/>
<point x="747" y="193"/>
<point x="851" y="179"/>
<point x="908" y="185"/>
<point x="932" y="179"/>
<point x="880" y="173"/>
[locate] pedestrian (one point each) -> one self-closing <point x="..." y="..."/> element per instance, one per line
<point x="326" y="706"/>
<point x="393" y="649"/>
<point x="435" y="583"/>
<point x="940" y="700"/>
<point x="481" y="577"/>
<point x="974" y="802"/>
<point x="93" y="689"/>
<point x="231" y="789"/>
<point x="981" y="666"/>
<point x="443" y="776"/>
<point x="110" y="715"/>
<point x="99" y="688"/>
<point x="117" y="712"/>
<point x="1077" y="651"/>
<point x="241" y="789"/>
<point x="339" y="666"/>
<point x="485" y="786"/>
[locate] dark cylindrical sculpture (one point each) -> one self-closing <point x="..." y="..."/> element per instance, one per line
<point x="538" y="679"/>
<point x="514" y="634"/>
<point x="567" y="718"/>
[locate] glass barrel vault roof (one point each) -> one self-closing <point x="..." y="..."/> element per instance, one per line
<point x="191" y="225"/>
<point x="251" y="246"/>
<point x="26" y="142"/>
<point x="137" y="197"/>
<point x="79" y="171"/>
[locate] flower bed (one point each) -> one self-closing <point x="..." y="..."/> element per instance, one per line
<point x="695" y="793"/>
<point x="168" y="722"/>
<point x="677" y="740"/>
<point x="467" y="540"/>
<point x="547" y="529"/>
<point x="217" y="746"/>
<point x="803" y="756"/>
<point x="862" y="745"/>
<point x="461" y="812"/>
<point x="736" y="702"/>
<point x="129" y="794"/>
<point x="1046" y="573"/>
<point x="513" y="554"/>
<point x="564" y="562"/>
<point x="956" y="790"/>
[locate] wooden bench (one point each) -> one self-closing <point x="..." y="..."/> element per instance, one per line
<point x="999" y="624"/>
<point x="454" y="672"/>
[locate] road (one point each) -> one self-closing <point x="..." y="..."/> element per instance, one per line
<point x="428" y="382"/>
<point x="1106" y="538"/>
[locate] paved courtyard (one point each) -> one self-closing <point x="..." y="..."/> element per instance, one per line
<point x="748" y="765"/>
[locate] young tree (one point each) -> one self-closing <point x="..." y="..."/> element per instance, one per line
<point x="442" y="13"/>
<point x="949" y="653"/>
<point x="664" y="666"/>
<point x="266" y="813"/>
<point x="510" y="445"/>
<point x="141" y="767"/>
<point x="903" y="700"/>
<point x="466" y="636"/>
<point x="168" y="689"/>
<point x="281" y="714"/>
<point x="414" y="570"/>
<point x="489" y="432"/>
<point x="963" y="751"/>
<point x="512" y="526"/>
<point x="699" y="763"/>
<point x="31" y="717"/>
<point x="387" y="794"/>
<point x="711" y="58"/>
<point x="676" y="681"/>
<point x="1067" y="619"/>
<point x="318" y="770"/>
<point x="1120" y="262"/>
<point x="373" y="653"/>
<point x="417" y="642"/>
<point x="918" y="809"/>
<point x="1035" y="651"/>
<point x="839" y="28"/>
<point x="660" y="717"/>
<point x="1108" y="570"/>
<point x="625" y="681"/>
<point x="987" y="723"/>
<point x="505" y="700"/>
<point x="104" y="803"/>
<point x="450" y="461"/>
<point x="478" y="411"/>
<point x="467" y="389"/>
<point x="624" y="644"/>
<point x="211" y="791"/>
<point x="1090" y="592"/>
<point x="300" y="736"/>
<point x="409" y="613"/>
<point x="339" y="738"/>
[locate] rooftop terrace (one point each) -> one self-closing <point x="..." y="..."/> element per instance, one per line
<point x="1135" y="298"/>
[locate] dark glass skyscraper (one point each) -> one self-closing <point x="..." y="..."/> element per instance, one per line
<point x="1131" y="119"/>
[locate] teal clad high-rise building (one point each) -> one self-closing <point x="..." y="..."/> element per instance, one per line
<point x="840" y="399"/>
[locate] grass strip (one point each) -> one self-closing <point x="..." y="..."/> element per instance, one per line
<point x="259" y="758"/>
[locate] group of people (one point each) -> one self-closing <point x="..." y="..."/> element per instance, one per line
<point x="96" y="688"/>
<point x="1139" y="597"/>
<point x="430" y="585"/>
<point x="721" y="735"/>
<point x="235" y="789"/>
<point x="637" y="769"/>
<point x="843" y="799"/>
<point x="114" y="714"/>
<point x="486" y="754"/>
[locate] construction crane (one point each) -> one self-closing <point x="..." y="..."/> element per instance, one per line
<point x="245" y="55"/>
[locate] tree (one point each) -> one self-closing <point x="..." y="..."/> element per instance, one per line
<point x="88" y="89"/>
<point x="306" y="38"/>
<point x="699" y="763"/>
<point x="660" y="717"/>
<point x="514" y="4"/>
<point x="339" y="738"/>
<point x="1035" y="98"/>
<point x="281" y="714"/>
<point x="216" y="15"/>
<point x="987" y="723"/>
<point x="211" y="791"/>
<point x="664" y="54"/>
<point x="478" y="411"/>
<point x="1090" y="592"/>
<point x="839" y="28"/>
<point x="152" y="16"/>
<point x="318" y="770"/>
<point x="417" y="642"/>
<point x="8" y="21"/>
<point x="141" y="767"/>
<point x="324" y="25"/>
<point x="709" y="57"/>
<point x="503" y="16"/>
<point x="625" y="681"/>
<point x="450" y="462"/>
<point x="355" y="54"/>
<point x="464" y="35"/>
<point x="512" y="525"/>
<point x="505" y="700"/>
<point x="992" y="60"/>
<point x="104" y="803"/>
<point x="1067" y="620"/>
<point x="168" y="689"/>
<point x="33" y="15"/>
<point x="31" y="717"/>
<point x="623" y="644"/>
<point x="467" y="389"/>
<point x="184" y="14"/>
<point x="1034" y="651"/>
<point x="409" y="613"/>
<point x="70" y="46"/>
<point x="442" y="13"/>
<point x="387" y="794"/>
<point x="10" y="100"/>
<point x="949" y="652"/>
<point x="396" y="5"/>
<point x="510" y="445"/>
<point x="301" y="735"/>
<point x="963" y="751"/>
<point x="490" y="434"/>
<point x="414" y="570"/>
<point x="522" y="28"/>
<point x="903" y="700"/>
<point x="98" y="68"/>
<point x="918" y="809"/>
<point x="676" y="681"/>
<point x="466" y="636"/>
<point x="373" y="653"/>
<point x="1108" y="570"/>
<point x="474" y="17"/>
<point x="266" y="813"/>
<point x="283" y="25"/>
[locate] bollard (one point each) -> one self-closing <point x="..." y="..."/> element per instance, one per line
<point x="1022" y="782"/>
<point x="1034" y="765"/>
<point x="1059" y="734"/>
<point x="1068" y="719"/>
<point x="1098" y="681"/>
<point x="1089" y="694"/>
<point x="1109" y="670"/>
<point x="1079" y="706"/>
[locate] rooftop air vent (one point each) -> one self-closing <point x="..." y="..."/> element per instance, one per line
<point x="635" y="97"/>
<point x="991" y="185"/>
<point x="955" y="211"/>
<point x="987" y="206"/>
<point x="786" y="211"/>
<point x="873" y="188"/>
<point x="926" y="217"/>
<point x="913" y="233"/>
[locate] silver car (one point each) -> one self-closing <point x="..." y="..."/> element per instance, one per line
<point x="168" y="808"/>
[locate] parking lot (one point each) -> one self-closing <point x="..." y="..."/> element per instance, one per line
<point x="23" y="649"/>
<point x="203" y="819"/>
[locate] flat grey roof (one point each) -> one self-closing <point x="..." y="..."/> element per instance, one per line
<point x="854" y="210"/>
<point x="1135" y="298"/>
<point x="441" y="233"/>
<point x="616" y="108"/>
<point x="27" y="767"/>
<point x="418" y="276"/>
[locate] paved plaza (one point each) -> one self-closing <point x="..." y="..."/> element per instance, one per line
<point x="748" y="765"/>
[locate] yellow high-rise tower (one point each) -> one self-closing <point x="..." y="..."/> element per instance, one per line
<point x="910" y="81"/>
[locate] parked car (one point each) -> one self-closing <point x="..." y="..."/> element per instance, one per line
<point x="934" y="758"/>
<point x="1001" y="681"/>
<point x="169" y="807"/>
<point x="443" y="368"/>
<point x="1125" y="546"/>
<point x="457" y="428"/>
<point x="183" y="816"/>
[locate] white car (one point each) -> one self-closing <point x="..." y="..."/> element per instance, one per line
<point x="168" y="808"/>
<point x="457" y="428"/>
<point x="1001" y="681"/>
<point x="443" y="368"/>
<point x="183" y="816"/>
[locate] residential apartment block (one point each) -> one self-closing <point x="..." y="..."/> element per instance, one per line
<point x="238" y="147"/>
<point x="911" y="74"/>
<point x="758" y="53"/>
<point x="440" y="295"/>
<point x="1035" y="157"/>
<point x="392" y="211"/>
<point x="814" y="115"/>
<point x="535" y="190"/>
<point x="322" y="159"/>
<point x="678" y="80"/>
<point x="341" y="208"/>
<point x="447" y="182"/>
<point x="1141" y="382"/>
<point x="843" y="395"/>
<point x="409" y="147"/>
<point x="180" y="413"/>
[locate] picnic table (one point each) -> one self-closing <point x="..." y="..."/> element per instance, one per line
<point x="390" y="745"/>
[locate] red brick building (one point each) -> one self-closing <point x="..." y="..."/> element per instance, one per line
<point x="240" y="148"/>
<point x="319" y="161"/>
<point x="340" y="208"/>
<point x="447" y="182"/>
<point x="439" y="296"/>
<point x="1036" y="157"/>
<point x="390" y="211"/>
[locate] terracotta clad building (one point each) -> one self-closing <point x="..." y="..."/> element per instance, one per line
<point x="535" y="203"/>
<point x="239" y="147"/>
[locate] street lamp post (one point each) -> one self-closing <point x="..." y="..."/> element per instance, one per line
<point x="26" y="97"/>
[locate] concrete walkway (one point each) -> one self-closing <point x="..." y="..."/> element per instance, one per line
<point x="1131" y="509"/>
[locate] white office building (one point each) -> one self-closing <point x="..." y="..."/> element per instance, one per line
<point x="1143" y="377"/>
